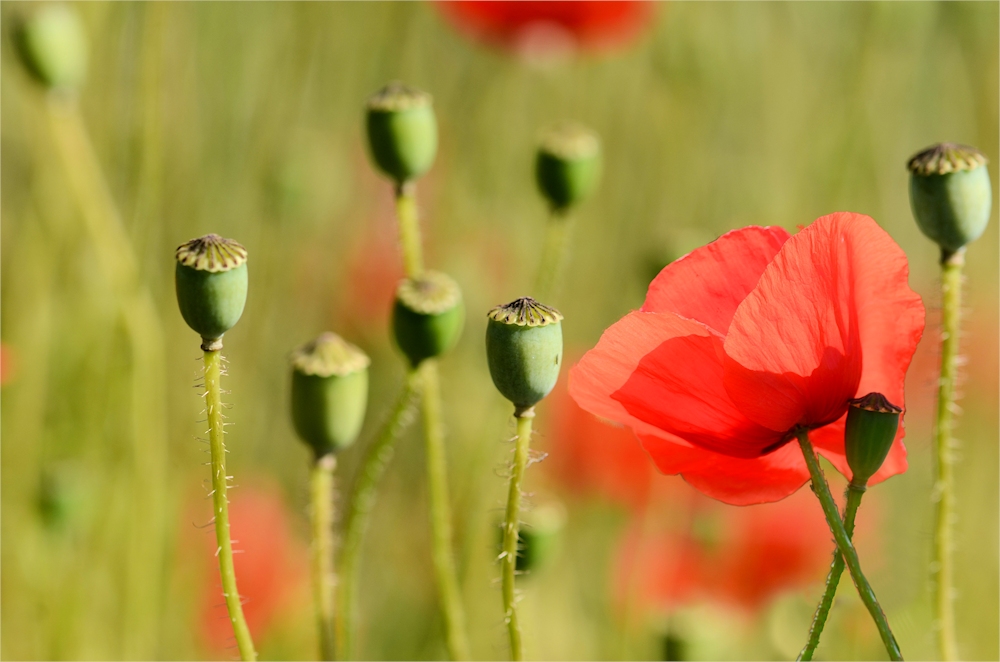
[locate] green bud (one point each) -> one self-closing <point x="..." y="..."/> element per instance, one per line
<point x="871" y="428"/>
<point x="950" y="194"/>
<point x="329" y="393"/>
<point x="568" y="164"/>
<point x="402" y="131"/>
<point x="52" y="45"/>
<point x="524" y="350"/>
<point x="427" y="316"/>
<point x="211" y="280"/>
<point x="538" y="537"/>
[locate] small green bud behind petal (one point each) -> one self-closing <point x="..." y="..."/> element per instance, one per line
<point x="52" y="44"/>
<point x="871" y="427"/>
<point x="402" y="131"/>
<point x="329" y="393"/>
<point x="427" y="316"/>
<point x="539" y="535"/>
<point x="950" y="194"/>
<point x="211" y="280"/>
<point x="524" y="350"/>
<point x="568" y="164"/>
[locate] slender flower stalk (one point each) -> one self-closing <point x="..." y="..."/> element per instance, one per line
<point x="554" y="255"/>
<point x="845" y="546"/>
<point x="409" y="230"/>
<point x="220" y="505"/>
<point x="359" y="507"/>
<point x="321" y="492"/>
<point x="511" y="528"/>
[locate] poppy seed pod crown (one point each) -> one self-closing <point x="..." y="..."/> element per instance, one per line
<point x="402" y="131"/>
<point x="871" y="427"/>
<point x="950" y="194"/>
<point x="524" y="350"/>
<point x="52" y="44"/>
<point x="329" y="393"/>
<point x="567" y="165"/>
<point x="211" y="280"/>
<point x="427" y="316"/>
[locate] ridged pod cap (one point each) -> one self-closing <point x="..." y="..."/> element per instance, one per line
<point x="568" y="164"/>
<point x="52" y="44"/>
<point x="950" y="194"/>
<point x="427" y="316"/>
<point x="329" y="393"/>
<point x="402" y="131"/>
<point x="524" y="350"/>
<point x="871" y="427"/>
<point x="211" y="279"/>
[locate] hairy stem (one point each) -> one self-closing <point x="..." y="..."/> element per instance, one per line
<point x="554" y="254"/>
<point x="850" y="555"/>
<point x="213" y="407"/>
<point x="945" y="446"/>
<point x="854" y="494"/>
<point x="511" y="528"/>
<point x="360" y="505"/>
<point x="321" y="486"/>
<point x="440" y="513"/>
<point x="409" y="230"/>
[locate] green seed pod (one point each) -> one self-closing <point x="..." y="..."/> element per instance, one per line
<point x="52" y="44"/>
<point x="524" y="350"/>
<point x="427" y="316"/>
<point x="950" y="194"/>
<point x="211" y="280"/>
<point x="871" y="428"/>
<point x="329" y="393"/>
<point x="402" y="131"/>
<point x="538" y="537"/>
<point x="568" y="165"/>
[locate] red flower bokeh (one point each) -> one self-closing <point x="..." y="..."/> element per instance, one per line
<point x="751" y="337"/>
<point x="532" y="27"/>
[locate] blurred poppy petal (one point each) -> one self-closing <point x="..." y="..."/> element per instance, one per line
<point x="709" y="283"/>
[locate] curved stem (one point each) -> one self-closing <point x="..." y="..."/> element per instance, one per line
<point x="554" y="254"/>
<point x="213" y="407"/>
<point x="321" y="486"/>
<point x="854" y="494"/>
<point x="360" y="505"/>
<point x="850" y="555"/>
<point x="409" y="229"/>
<point x="441" y="535"/>
<point x="511" y="526"/>
<point x="942" y="569"/>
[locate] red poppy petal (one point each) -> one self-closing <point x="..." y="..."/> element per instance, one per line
<point x="795" y="343"/>
<point x="709" y="283"/>
<point x="678" y="387"/>
<point x="829" y="442"/>
<point x="736" y="481"/>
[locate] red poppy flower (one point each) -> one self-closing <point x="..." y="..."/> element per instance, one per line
<point x="7" y="364"/>
<point x="751" y="337"/>
<point x="541" y="26"/>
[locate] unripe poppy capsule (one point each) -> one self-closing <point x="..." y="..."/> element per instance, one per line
<point x="427" y="316"/>
<point x="871" y="427"/>
<point x="950" y="194"/>
<point x="402" y="131"/>
<point x="52" y="44"/>
<point x="329" y="393"/>
<point x="568" y="164"/>
<point x="211" y="279"/>
<point x="524" y="350"/>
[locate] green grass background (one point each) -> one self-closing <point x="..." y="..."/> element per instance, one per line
<point x="245" y="120"/>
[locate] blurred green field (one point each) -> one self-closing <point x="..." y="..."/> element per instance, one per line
<point x="246" y="120"/>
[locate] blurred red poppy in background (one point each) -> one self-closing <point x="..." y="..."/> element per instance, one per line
<point x="747" y="339"/>
<point x="271" y="565"/>
<point x="6" y="364"/>
<point x="372" y="273"/>
<point x="534" y="28"/>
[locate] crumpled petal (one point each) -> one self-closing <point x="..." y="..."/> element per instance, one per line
<point x="709" y="283"/>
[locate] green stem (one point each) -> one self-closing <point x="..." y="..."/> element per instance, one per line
<point x="854" y="494"/>
<point x="850" y="555"/>
<point x="409" y="229"/>
<point x="360" y="505"/>
<point x="321" y="487"/>
<point x="942" y="569"/>
<point x="554" y="254"/>
<point x="511" y="528"/>
<point x="440" y="512"/>
<point x="213" y="407"/>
